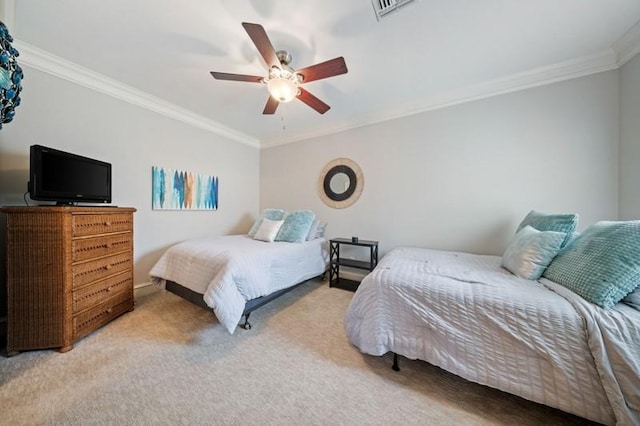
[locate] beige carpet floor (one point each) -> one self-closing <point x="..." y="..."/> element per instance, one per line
<point x="171" y="362"/>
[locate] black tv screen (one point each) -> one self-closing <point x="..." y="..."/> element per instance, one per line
<point x="67" y="178"/>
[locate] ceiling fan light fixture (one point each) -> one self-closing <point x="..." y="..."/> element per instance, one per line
<point x="282" y="83"/>
<point x="282" y="89"/>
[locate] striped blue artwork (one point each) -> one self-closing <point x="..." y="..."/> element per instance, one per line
<point x="183" y="190"/>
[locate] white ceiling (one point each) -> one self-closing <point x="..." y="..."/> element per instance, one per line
<point x="426" y="54"/>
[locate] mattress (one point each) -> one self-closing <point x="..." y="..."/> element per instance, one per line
<point x="468" y="315"/>
<point x="230" y="270"/>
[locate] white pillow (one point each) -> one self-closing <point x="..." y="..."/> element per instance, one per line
<point x="271" y="214"/>
<point x="321" y="228"/>
<point x="313" y="230"/>
<point x="268" y="230"/>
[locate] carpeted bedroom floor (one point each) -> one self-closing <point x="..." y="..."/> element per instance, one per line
<point x="171" y="362"/>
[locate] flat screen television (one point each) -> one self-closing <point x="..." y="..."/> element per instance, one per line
<point x="67" y="178"/>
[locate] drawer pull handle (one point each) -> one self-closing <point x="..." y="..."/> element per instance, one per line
<point x="108" y="245"/>
<point x="107" y="267"/>
<point x="109" y="288"/>
<point x="109" y="310"/>
<point x="107" y="224"/>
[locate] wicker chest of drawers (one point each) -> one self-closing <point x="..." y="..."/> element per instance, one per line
<point x="69" y="271"/>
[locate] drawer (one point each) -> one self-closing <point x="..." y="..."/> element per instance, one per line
<point x="84" y="273"/>
<point x="93" y="224"/>
<point x="94" y="294"/>
<point x="89" y="248"/>
<point x="87" y="321"/>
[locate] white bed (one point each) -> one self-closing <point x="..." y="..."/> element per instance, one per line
<point x="229" y="271"/>
<point x="536" y="339"/>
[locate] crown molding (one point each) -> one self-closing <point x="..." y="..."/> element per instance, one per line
<point x="628" y="46"/>
<point x="623" y="50"/>
<point x="61" y="68"/>
<point x="592" y="64"/>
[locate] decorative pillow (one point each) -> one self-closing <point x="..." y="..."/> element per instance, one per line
<point x="296" y="226"/>
<point x="313" y="230"/>
<point x="322" y="226"/>
<point x="530" y="252"/>
<point x="268" y="230"/>
<point x="602" y="264"/>
<point x="565" y="223"/>
<point x="271" y="214"/>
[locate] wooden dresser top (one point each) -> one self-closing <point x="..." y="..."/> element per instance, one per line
<point x="67" y="209"/>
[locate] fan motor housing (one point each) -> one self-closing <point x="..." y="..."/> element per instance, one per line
<point x="284" y="57"/>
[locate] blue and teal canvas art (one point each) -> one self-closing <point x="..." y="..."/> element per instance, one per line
<point x="183" y="190"/>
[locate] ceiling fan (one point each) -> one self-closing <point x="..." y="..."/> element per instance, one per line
<point x="283" y="82"/>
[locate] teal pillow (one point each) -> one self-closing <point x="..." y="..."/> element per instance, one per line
<point x="296" y="226"/>
<point x="602" y="264"/>
<point x="271" y="214"/>
<point x="565" y="223"/>
<point x="530" y="252"/>
<point x="633" y="299"/>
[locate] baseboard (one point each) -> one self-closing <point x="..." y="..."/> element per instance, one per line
<point x="356" y="276"/>
<point x="143" y="289"/>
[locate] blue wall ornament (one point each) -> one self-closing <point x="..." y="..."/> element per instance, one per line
<point x="10" y="77"/>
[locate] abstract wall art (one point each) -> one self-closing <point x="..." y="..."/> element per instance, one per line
<point x="183" y="190"/>
<point x="10" y="77"/>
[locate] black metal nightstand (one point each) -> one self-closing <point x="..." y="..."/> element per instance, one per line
<point x="336" y="261"/>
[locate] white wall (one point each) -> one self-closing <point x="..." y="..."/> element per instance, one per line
<point x="66" y="116"/>
<point x="463" y="177"/>
<point x="630" y="140"/>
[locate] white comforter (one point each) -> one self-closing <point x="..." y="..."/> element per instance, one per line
<point x="230" y="270"/>
<point x="466" y="314"/>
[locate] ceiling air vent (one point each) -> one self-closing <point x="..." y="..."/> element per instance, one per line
<point x="382" y="7"/>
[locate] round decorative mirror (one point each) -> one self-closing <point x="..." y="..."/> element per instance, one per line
<point x="341" y="183"/>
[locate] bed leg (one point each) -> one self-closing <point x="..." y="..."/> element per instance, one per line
<point x="395" y="366"/>
<point x="246" y="324"/>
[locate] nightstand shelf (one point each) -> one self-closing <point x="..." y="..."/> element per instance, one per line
<point x="335" y="280"/>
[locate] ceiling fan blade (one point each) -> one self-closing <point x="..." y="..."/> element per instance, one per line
<point x="236" y="77"/>
<point x="312" y="101"/>
<point x="322" y="70"/>
<point x="263" y="44"/>
<point x="271" y="106"/>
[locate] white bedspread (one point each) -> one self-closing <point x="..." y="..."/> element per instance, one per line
<point x="466" y="314"/>
<point x="230" y="270"/>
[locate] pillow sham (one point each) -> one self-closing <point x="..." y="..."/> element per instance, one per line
<point x="530" y="252"/>
<point x="557" y="222"/>
<point x="602" y="264"/>
<point x="268" y="230"/>
<point x="271" y="214"/>
<point x="296" y="226"/>
<point x="313" y="230"/>
<point x="322" y="226"/>
<point x="317" y="230"/>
